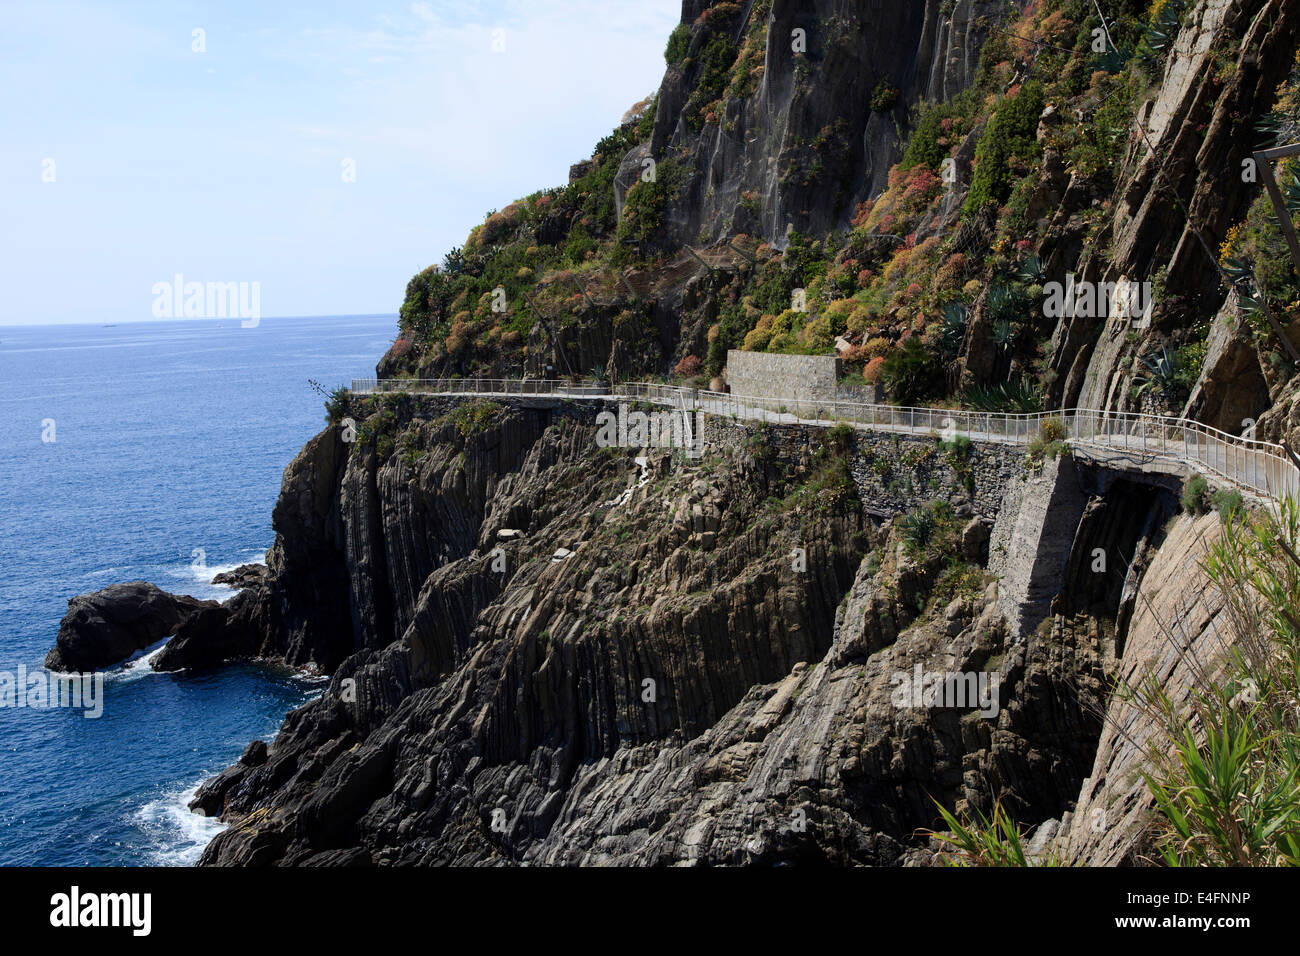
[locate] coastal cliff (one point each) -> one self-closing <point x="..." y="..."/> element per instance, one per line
<point x="543" y="650"/>
<point x="511" y="719"/>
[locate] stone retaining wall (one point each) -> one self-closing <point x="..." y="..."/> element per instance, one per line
<point x="896" y="474"/>
<point x="1032" y="540"/>
<point x="812" y="377"/>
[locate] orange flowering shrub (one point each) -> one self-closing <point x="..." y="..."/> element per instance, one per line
<point x="688" y="367"/>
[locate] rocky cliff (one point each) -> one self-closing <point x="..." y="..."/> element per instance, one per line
<point x="808" y="121"/>
<point x="546" y="658"/>
<point x="543" y="650"/>
<point x="705" y="672"/>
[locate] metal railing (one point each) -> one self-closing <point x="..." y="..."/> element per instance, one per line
<point x="1143" y="440"/>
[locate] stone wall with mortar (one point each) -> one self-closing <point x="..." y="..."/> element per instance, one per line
<point x="899" y="473"/>
<point x="812" y="377"/>
<point x="1032" y="539"/>
<point x="896" y="474"/>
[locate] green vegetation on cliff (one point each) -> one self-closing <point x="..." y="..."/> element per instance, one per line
<point x="931" y="290"/>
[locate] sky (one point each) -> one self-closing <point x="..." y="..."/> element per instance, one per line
<point x="324" y="151"/>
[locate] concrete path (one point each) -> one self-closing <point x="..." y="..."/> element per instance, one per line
<point x="1127" y="441"/>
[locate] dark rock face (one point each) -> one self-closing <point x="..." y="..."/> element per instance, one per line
<point x="211" y="636"/>
<point x="1232" y="387"/>
<point x="1192" y="125"/>
<point x="807" y="141"/>
<point x="639" y="683"/>
<point x="244" y="576"/>
<point x="106" y="627"/>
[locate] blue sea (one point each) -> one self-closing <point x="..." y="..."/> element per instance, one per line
<point x="169" y="442"/>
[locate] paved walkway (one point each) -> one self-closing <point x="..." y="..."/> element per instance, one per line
<point x="1128" y="441"/>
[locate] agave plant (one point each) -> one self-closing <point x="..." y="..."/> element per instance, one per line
<point x="1008" y="300"/>
<point x="955" y="318"/>
<point x="1161" y="375"/>
<point x="1269" y="131"/>
<point x="1016" y="395"/>
<point x="1240" y="272"/>
<point x="1032" y="272"/>
<point x="1250" y="304"/>
<point x="1290" y="189"/>
<point x="1161" y="34"/>
<point x="1000" y="302"/>
<point x="917" y="527"/>
<point x="1113" y="60"/>
<point x="1291" y="193"/>
<point x="1004" y="334"/>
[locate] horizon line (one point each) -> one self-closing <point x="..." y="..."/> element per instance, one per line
<point x="230" y="318"/>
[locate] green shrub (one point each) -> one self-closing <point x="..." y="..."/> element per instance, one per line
<point x="717" y="58"/>
<point x="1196" y="495"/>
<point x="959" y="451"/>
<point x="679" y="44"/>
<point x="336" y="405"/>
<point x="839" y="438"/>
<point x="472" y="417"/>
<point x="917" y="528"/>
<point x="929" y="529"/>
<point x="1227" y="503"/>
<point x="923" y="147"/>
<point x="1013" y="396"/>
<point x="1011" y="133"/>
<point x="884" y="97"/>
<point x="733" y="326"/>
<point x="958" y="580"/>
<point x="980" y="841"/>
<point x="644" y="206"/>
<point x="1052" y="430"/>
<point x="911" y="372"/>
<point x="578" y="245"/>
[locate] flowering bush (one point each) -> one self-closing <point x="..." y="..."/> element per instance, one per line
<point x="458" y="338"/>
<point x="922" y="188"/>
<point x="837" y="315"/>
<point x="688" y="367"/>
<point x="861" y="320"/>
<point x="854" y="354"/>
<point x="862" y="213"/>
<point x="878" y="347"/>
<point x="949" y="274"/>
<point x="758" y="337"/>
